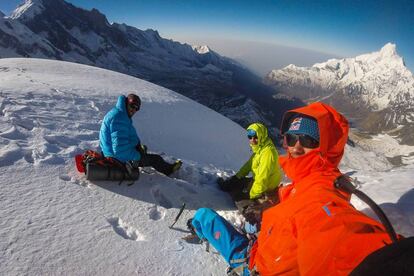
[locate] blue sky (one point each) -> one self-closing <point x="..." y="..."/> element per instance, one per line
<point x="340" y="28"/>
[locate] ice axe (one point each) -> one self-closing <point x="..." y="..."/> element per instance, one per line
<point x="178" y="215"/>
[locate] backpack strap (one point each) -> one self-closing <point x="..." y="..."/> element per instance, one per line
<point x="123" y="167"/>
<point x="92" y="156"/>
<point x="238" y="261"/>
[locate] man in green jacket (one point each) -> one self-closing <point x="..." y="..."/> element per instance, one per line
<point x="264" y="166"/>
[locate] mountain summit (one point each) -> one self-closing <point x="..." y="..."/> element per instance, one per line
<point x="389" y="50"/>
<point x="376" y="90"/>
<point x="28" y="10"/>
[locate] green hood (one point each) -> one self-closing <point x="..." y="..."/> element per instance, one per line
<point x="262" y="136"/>
<point x="263" y="164"/>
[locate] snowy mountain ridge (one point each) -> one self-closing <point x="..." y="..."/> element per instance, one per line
<point x="376" y="83"/>
<point x="381" y="78"/>
<point x="55" y="29"/>
<point x="28" y="9"/>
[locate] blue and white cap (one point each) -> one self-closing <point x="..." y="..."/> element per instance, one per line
<point x="304" y="125"/>
<point x="251" y="132"/>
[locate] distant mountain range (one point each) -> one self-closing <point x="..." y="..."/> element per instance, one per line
<point x="55" y="29"/>
<point x="376" y="90"/>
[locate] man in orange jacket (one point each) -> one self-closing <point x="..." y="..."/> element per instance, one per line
<point x="314" y="230"/>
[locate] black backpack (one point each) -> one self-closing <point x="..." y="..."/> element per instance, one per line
<point x="98" y="167"/>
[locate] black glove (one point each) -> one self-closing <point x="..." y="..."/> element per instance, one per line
<point x="227" y="184"/>
<point x="142" y="149"/>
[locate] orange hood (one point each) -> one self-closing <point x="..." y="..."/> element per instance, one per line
<point x="333" y="133"/>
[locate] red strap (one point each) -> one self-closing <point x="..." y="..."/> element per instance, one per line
<point x="79" y="163"/>
<point x="95" y="157"/>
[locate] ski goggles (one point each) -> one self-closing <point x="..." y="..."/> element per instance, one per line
<point x="251" y="134"/>
<point x="305" y="140"/>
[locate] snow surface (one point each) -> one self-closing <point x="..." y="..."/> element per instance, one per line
<point x="56" y="222"/>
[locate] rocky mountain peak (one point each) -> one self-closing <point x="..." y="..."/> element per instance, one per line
<point x="28" y="10"/>
<point x="386" y="58"/>
<point x="204" y="49"/>
<point x="57" y="9"/>
<point x="98" y="18"/>
<point x="389" y="50"/>
<point x="153" y="33"/>
<point x="389" y="53"/>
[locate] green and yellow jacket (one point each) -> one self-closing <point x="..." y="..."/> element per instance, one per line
<point x="263" y="164"/>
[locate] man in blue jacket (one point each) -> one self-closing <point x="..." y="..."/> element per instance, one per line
<point x="118" y="138"/>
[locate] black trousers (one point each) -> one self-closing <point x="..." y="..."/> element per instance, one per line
<point x="240" y="189"/>
<point x="157" y="162"/>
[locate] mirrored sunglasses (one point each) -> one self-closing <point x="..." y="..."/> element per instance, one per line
<point x="305" y="140"/>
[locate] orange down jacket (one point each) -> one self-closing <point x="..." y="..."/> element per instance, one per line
<point x="314" y="230"/>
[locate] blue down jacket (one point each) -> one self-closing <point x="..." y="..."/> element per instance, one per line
<point x="118" y="137"/>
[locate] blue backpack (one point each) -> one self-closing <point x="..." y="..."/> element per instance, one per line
<point x="231" y="244"/>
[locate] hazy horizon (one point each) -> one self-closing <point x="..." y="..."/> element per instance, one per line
<point x="261" y="57"/>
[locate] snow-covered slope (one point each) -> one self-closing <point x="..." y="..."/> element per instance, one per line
<point x="376" y="89"/>
<point x="159" y="116"/>
<point x="55" y="222"/>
